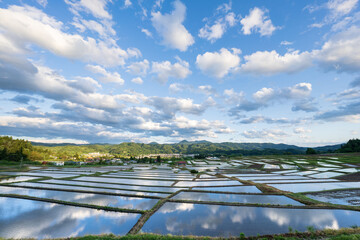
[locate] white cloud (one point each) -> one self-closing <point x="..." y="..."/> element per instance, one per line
<point x="230" y="18"/>
<point x="165" y="70"/>
<point x="104" y="29"/>
<point x="233" y="97"/>
<point x="207" y="90"/>
<point x="171" y="29"/>
<point x="341" y="7"/>
<point x="137" y="80"/>
<point x="139" y="68"/>
<point x="38" y="79"/>
<point x="300" y="90"/>
<point x="215" y="29"/>
<point x="338" y="15"/>
<point x="127" y="3"/>
<point x="170" y="105"/>
<point x="265" y="134"/>
<point x="24" y="25"/>
<point x="43" y="3"/>
<point x="218" y="64"/>
<point x="113" y="77"/>
<point x="257" y="21"/>
<point x="301" y="130"/>
<point x="213" y="32"/>
<point x="264" y="94"/>
<point x="286" y="43"/>
<point x="95" y="7"/>
<point x="147" y="32"/>
<point x="178" y="87"/>
<point x="269" y="63"/>
<point x="342" y="52"/>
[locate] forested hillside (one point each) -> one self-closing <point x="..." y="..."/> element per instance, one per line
<point x="15" y="150"/>
<point x="184" y="147"/>
<point x="18" y="149"/>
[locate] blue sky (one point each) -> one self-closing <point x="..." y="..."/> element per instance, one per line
<point x="102" y="71"/>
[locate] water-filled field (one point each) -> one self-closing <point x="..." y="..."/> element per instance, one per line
<point x="224" y="198"/>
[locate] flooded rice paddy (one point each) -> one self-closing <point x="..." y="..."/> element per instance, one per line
<point x="225" y="198"/>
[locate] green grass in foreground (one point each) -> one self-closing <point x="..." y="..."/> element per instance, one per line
<point x="341" y="234"/>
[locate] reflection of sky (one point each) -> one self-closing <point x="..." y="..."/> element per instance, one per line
<point x="246" y="189"/>
<point x="95" y="199"/>
<point x="314" y="187"/>
<point x="221" y="197"/>
<point x="210" y="220"/>
<point x="127" y="181"/>
<point x="39" y="220"/>
<point x="16" y="179"/>
<point x="48" y="185"/>
<point x="109" y="185"/>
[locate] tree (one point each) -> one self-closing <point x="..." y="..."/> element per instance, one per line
<point x="353" y="145"/>
<point x="310" y="151"/>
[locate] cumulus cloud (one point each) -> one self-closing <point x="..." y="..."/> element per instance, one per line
<point x="217" y="30"/>
<point x="301" y="130"/>
<point x="264" y="97"/>
<point x="207" y="90"/>
<point x="26" y="77"/>
<point x="306" y="105"/>
<point x="203" y="89"/>
<point x="165" y="70"/>
<point x="170" y="105"/>
<point x="348" y="94"/>
<point x="218" y="64"/>
<point x="106" y="76"/>
<point x="349" y="112"/>
<point x="127" y="3"/>
<point x="178" y="87"/>
<point x="298" y="91"/>
<point x="265" y="134"/>
<point x="24" y="25"/>
<point x="139" y="68"/>
<point x="342" y="52"/>
<point x="171" y="29"/>
<point x="269" y="63"/>
<point x="233" y="97"/>
<point x="257" y="21"/>
<point x="264" y="94"/>
<point x="213" y="32"/>
<point x="262" y="119"/>
<point x="24" y="99"/>
<point x="137" y="80"/>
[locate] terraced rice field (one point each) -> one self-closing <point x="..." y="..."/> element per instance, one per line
<point x="225" y="198"/>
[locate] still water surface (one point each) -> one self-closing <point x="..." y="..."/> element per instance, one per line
<point x="32" y="219"/>
<point x="216" y="220"/>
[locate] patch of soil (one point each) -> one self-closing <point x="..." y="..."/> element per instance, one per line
<point x="350" y="177"/>
<point x="256" y="166"/>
